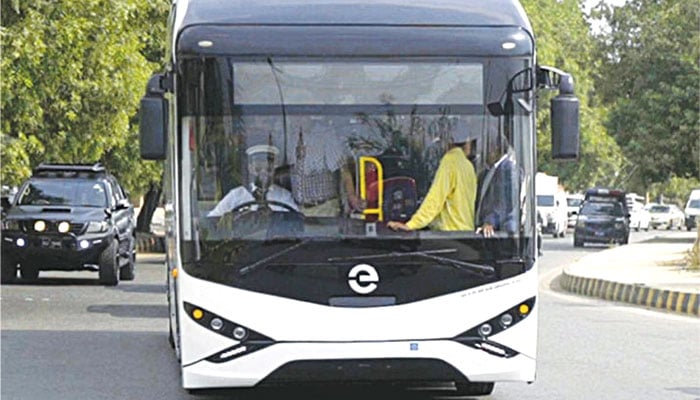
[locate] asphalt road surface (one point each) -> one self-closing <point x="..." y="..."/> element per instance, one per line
<point x="66" y="337"/>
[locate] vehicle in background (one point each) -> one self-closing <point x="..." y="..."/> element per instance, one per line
<point x="551" y="202"/>
<point x="573" y="204"/>
<point x="603" y="218"/>
<point x="639" y="217"/>
<point x="692" y="210"/>
<point x="666" y="215"/>
<point x="69" y="217"/>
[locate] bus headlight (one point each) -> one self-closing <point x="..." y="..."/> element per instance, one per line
<point x="222" y="326"/>
<point x="485" y="330"/>
<point x="239" y="333"/>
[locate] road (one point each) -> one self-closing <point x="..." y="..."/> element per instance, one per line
<point x="66" y="337"/>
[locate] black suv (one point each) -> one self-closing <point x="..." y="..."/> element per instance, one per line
<point x="69" y="217"/>
<point x="602" y="218"/>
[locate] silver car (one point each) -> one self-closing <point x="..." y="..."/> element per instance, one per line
<point x="666" y="215"/>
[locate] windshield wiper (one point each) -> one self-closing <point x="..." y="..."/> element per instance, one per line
<point x="430" y="254"/>
<point x="249" y="268"/>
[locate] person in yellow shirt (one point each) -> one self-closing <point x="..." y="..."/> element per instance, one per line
<point x="449" y="204"/>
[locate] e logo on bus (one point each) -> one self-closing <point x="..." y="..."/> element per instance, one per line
<point x="363" y="278"/>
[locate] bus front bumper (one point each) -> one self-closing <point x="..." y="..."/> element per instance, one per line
<point x="390" y="362"/>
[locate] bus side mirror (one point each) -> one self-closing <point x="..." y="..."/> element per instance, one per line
<point x="565" y="122"/>
<point x="153" y="120"/>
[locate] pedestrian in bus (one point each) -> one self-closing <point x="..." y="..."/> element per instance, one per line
<point x="498" y="201"/>
<point x="450" y="201"/>
<point x="260" y="188"/>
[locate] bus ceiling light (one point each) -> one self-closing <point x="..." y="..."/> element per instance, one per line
<point x="20" y="242"/>
<point x="239" y="333"/>
<point x="205" y="43"/>
<point x="216" y="324"/>
<point x="197" y="314"/>
<point x="485" y="330"/>
<point x="63" y="227"/>
<point x="39" y="226"/>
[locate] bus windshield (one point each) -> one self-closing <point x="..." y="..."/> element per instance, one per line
<point x="332" y="150"/>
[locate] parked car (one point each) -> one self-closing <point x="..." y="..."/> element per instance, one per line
<point x="69" y="217"/>
<point x="603" y="218"/>
<point x="639" y="217"/>
<point x="692" y="210"/>
<point x="666" y="215"/>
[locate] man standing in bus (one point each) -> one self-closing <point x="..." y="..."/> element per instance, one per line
<point x="499" y="191"/>
<point x="260" y="189"/>
<point x="449" y="204"/>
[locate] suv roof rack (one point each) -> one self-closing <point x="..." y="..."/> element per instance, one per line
<point x="45" y="169"/>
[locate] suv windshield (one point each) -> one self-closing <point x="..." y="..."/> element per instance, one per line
<point x="602" y="208"/>
<point x="63" y="192"/>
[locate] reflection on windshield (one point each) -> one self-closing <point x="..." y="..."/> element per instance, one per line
<point x="337" y="149"/>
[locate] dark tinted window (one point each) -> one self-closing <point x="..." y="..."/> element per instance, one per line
<point x="64" y="192"/>
<point x="602" y="208"/>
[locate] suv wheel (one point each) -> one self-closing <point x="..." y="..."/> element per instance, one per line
<point x="109" y="265"/>
<point x="8" y="274"/>
<point x="128" y="271"/>
<point x="29" y="272"/>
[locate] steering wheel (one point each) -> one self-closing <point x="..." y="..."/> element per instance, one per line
<point x="246" y="204"/>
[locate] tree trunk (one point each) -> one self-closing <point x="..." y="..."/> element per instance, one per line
<point x="150" y="202"/>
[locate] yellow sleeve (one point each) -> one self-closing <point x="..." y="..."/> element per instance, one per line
<point x="434" y="201"/>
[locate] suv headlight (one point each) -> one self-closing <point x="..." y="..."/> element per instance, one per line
<point x="97" y="226"/>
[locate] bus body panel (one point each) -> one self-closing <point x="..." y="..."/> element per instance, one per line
<point x="304" y="331"/>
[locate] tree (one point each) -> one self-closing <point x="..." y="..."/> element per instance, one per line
<point x="564" y="41"/>
<point x="73" y="74"/>
<point x="651" y="79"/>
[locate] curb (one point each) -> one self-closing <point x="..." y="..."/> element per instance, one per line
<point x="149" y="243"/>
<point x="670" y="300"/>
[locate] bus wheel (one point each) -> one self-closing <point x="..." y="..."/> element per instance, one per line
<point x="474" y="388"/>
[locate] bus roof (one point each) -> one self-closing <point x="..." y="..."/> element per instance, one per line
<point x="355" y="12"/>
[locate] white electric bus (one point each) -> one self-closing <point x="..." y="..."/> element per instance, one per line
<point x="295" y="277"/>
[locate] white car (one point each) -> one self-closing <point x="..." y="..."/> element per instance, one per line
<point x="573" y="203"/>
<point x="692" y="210"/>
<point x="667" y="215"/>
<point x="640" y="218"/>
